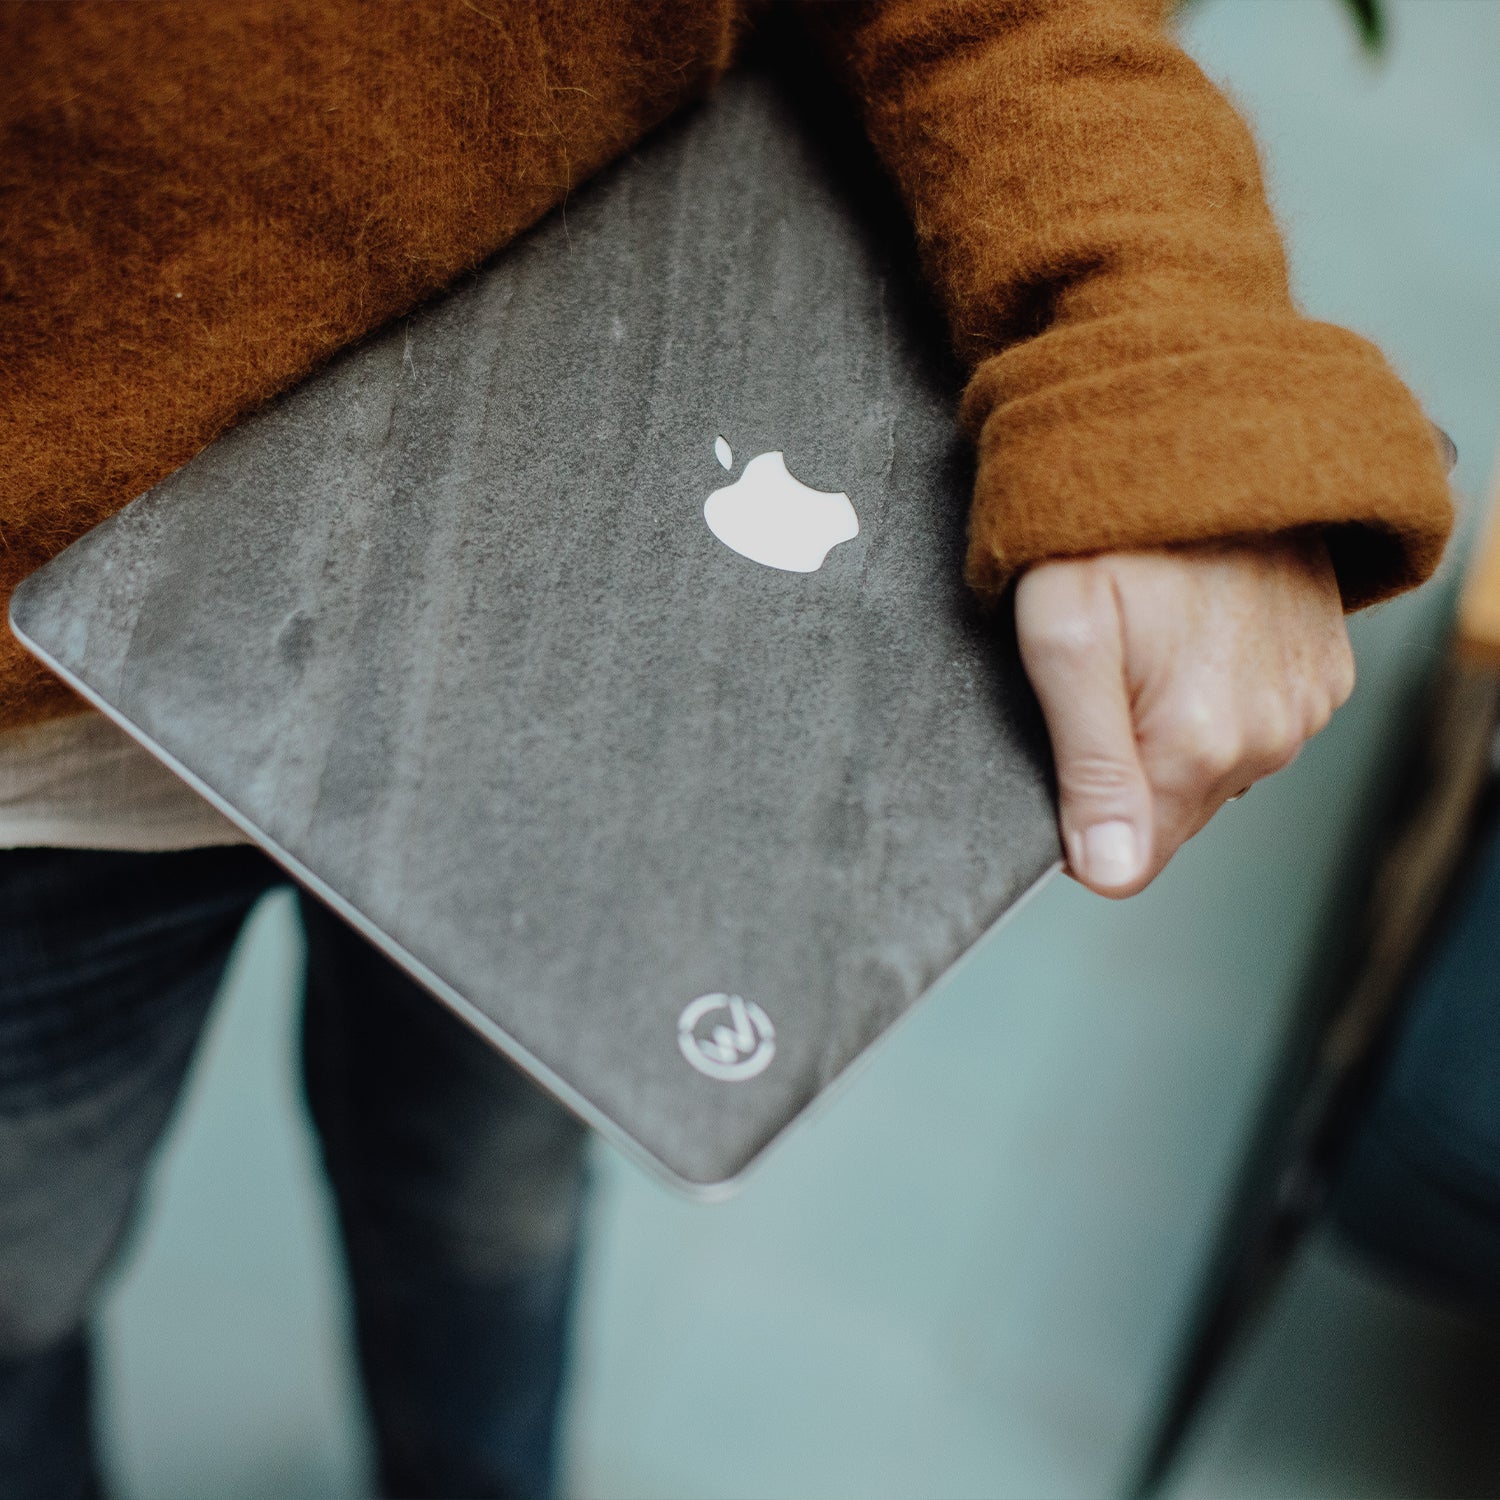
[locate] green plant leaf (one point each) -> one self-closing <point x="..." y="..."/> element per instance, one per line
<point x="1368" y="17"/>
<point x="1369" y="21"/>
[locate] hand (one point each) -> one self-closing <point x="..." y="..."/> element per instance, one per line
<point x="1171" y="680"/>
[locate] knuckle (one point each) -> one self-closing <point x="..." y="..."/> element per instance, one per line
<point x="1213" y="751"/>
<point x="1067" y="615"/>
<point x="1278" y="757"/>
<point x="1276" y="736"/>
<point x="1066" y="635"/>
<point x="1194" y="744"/>
<point x="1341" y="679"/>
<point x="1317" y="711"/>
<point x="1095" y="778"/>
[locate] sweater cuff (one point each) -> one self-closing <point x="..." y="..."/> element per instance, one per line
<point x="1138" y="431"/>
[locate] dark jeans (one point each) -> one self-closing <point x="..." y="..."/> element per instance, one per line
<point x="1420" y="1187"/>
<point x="458" y="1184"/>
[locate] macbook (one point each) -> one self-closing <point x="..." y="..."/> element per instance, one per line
<point x="594" y="639"/>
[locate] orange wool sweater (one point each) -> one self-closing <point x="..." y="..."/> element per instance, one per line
<point x="204" y="201"/>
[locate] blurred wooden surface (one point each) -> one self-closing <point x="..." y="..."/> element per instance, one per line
<point x="1478" y="634"/>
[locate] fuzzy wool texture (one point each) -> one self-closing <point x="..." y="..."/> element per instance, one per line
<point x="203" y="202"/>
<point x="1092" y="214"/>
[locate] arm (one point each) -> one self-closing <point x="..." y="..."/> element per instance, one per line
<point x="1162" y="438"/>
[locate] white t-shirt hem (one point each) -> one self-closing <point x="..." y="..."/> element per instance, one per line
<point x="83" y="783"/>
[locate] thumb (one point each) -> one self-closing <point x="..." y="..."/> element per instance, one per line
<point x="1072" y="644"/>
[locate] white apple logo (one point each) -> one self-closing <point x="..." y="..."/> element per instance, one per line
<point x="771" y="517"/>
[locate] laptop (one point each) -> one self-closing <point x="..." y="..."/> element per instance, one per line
<point x="594" y="639"/>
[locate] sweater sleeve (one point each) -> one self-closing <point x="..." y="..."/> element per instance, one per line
<point x="1091" y="213"/>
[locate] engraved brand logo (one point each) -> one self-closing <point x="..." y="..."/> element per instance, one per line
<point x="726" y="1037"/>
<point x="773" y="518"/>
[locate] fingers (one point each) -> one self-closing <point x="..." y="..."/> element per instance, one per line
<point x="1170" y="681"/>
<point x="1204" y="747"/>
<point x="1240" y="655"/>
<point x="1072" y="645"/>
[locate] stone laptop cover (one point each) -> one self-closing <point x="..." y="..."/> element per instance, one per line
<point x="679" y="818"/>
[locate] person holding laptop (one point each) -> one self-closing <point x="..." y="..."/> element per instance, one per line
<point x="1183" y="484"/>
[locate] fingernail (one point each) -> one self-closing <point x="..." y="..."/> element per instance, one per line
<point x="1111" y="854"/>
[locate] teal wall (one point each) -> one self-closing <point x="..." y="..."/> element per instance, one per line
<point x="963" y="1277"/>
